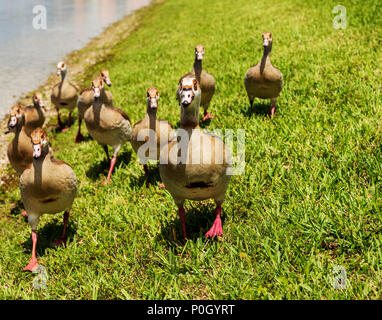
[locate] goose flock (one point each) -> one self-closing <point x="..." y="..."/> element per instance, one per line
<point x="193" y="163"/>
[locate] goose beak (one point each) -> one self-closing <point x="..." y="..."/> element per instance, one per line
<point x="97" y="93"/>
<point x="12" y="122"/>
<point x="108" y="82"/>
<point x="199" y="56"/>
<point x="153" y="103"/>
<point x="267" y="42"/>
<point x="185" y="104"/>
<point x="41" y="104"/>
<point x="37" y="151"/>
<point x="58" y="72"/>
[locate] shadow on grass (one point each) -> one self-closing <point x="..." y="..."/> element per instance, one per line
<point x="203" y="124"/>
<point x="198" y="221"/>
<point x="49" y="233"/>
<point x="18" y="208"/>
<point x="154" y="176"/>
<point x="102" y="167"/>
<point x="262" y="108"/>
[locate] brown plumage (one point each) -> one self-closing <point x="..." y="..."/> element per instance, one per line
<point x="86" y="99"/>
<point x="107" y="125"/>
<point x="195" y="165"/>
<point x="263" y="80"/>
<point x="48" y="185"/>
<point x="34" y="114"/>
<point x="206" y="81"/>
<point x="20" y="151"/>
<point x="150" y="132"/>
<point x="64" y="94"/>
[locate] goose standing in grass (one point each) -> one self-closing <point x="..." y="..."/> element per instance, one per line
<point x="48" y="185"/>
<point x="151" y="132"/>
<point x="34" y="114"/>
<point x="20" y="151"/>
<point x="195" y="165"/>
<point x="64" y="95"/>
<point x="106" y="124"/>
<point x="264" y="80"/>
<point x="206" y="81"/>
<point x="86" y="99"/>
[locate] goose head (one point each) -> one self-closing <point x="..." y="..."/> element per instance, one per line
<point x="189" y="90"/>
<point x="152" y="98"/>
<point x="199" y="52"/>
<point x="97" y="86"/>
<point x="16" y="117"/>
<point x="267" y="39"/>
<point x="105" y="76"/>
<point x="40" y="143"/>
<point x="38" y="100"/>
<point x="61" y="68"/>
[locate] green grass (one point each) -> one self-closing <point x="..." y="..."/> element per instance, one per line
<point x="310" y="197"/>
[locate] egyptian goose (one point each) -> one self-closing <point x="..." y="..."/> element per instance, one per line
<point x="106" y="124"/>
<point x="20" y="151"/>
<point x="47" y="185"/>
<point x="264" y="80"/>
<point x="34" y="114"/>
<point x="64" y="95"/>
<point x="150" y="132"/>
<point x="86" y="99"/>
<point x="195" y="164"/>
<point x="206" y="81"/>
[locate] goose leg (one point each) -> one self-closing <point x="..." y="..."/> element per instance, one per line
<point x="206" y="114"/>
<point x="59" y="118"/>
<point x="251" y="102"/>
<point x="32" y="265"/>
<point x="69" y="122"/>
<point x="79" y="136"/>
<point x="112" y="164"/>
<point x="273" y="106"/>
<point x="182" y="216"/>
<point x="216" y="229"/>
<point x="70" y="119"/>
<point x="62" y="239"/>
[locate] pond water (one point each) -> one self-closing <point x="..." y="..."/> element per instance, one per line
<point x="28" y="55"/>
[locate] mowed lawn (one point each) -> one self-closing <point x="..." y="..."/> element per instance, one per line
<point x="308" y="201"/>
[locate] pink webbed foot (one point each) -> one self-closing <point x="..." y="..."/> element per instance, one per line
<point x="65" y="129"/>
<point x="207" y="116"/>
<point x="24" y="213"/>
<point x="32" y="265"/>
<point x="162" y="186"/>
<point x="217" y="229"/>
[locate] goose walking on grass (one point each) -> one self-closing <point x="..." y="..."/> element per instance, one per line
<point x="107" y="125"/>
<point x="64" y="95"/>
<point x="86" y="99"/>
<point x="20" y="151"/>
<point x="206" y="81"/>
<point x="150" y="133"/>
<point x="47" y="185"/>
<point x="195" y="165"/>
<point x="34" y="114"/>
<point x="263" y="80"/>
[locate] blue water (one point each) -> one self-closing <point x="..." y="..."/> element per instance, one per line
<point x="28" y="56"/>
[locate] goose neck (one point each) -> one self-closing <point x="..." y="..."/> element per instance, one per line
<point x="197" y="68"/>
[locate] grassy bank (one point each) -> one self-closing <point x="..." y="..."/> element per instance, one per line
<point x="310" y="197"/>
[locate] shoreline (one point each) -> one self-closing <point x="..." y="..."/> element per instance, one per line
<point x="80" y="64"/>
